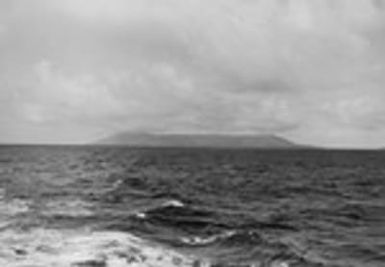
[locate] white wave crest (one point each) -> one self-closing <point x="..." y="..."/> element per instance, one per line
<point x="173" y="203"/>
<point x="200" y="241"/>
<point x="170" y="203"/>
<point x="54" y="248"/>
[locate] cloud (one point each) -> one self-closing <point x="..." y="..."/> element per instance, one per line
<point x="293" y="67"/>
<point x="55" y="95"/>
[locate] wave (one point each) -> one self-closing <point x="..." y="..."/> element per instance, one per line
<point x="84" y="248"/>
<point x="13" y="207"/>
<point x="174" y="208"/>
<point x="10" y="208"/>
<point x="66" y="248"/>
<point x="2" y="193"/>
<point x="176" y="216"/>
<point x="203" y="241"/>
<point x="67" y="207"/>
<point x="105" y="248"/>
<point x="173" y="203"/>
<point x="226" y="239"/>
<point x="166" y="204"/>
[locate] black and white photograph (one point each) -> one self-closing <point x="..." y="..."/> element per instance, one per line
<point x="192" y="133"/>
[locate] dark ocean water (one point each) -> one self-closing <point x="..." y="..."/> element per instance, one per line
<point x="114" y="207"/>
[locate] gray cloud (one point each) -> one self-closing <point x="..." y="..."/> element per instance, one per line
<point x="311" y="70"/>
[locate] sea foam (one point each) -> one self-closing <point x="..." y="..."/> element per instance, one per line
<point x="65" y="248"/>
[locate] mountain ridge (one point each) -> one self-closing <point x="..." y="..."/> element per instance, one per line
<point x="198" y="140"/>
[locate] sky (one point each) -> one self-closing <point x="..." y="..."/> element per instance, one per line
<point x="74" y="71"/>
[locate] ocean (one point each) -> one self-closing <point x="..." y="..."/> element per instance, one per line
<point x="85" y="206"/>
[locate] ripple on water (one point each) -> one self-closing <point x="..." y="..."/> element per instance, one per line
<point x="67" y="207"/>
<point x="13" y="207"/>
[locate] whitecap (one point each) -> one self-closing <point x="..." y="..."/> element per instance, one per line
<point x="279" y="264"/>
<point x="117" y="184"/>
<point x="166" y="204"/>
<point x="173" y="203"/>
<point x="141" y="215"/>
<point x="201" y="241"/>
<point x="54" y="248"/>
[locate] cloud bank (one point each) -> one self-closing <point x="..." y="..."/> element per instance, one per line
<point x="75" y="70"/>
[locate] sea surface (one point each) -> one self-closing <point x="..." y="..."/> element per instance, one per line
<point x="63" y="206"/>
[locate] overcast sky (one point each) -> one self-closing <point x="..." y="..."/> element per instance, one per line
<point x="309" y="70"/>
